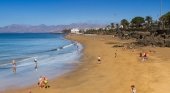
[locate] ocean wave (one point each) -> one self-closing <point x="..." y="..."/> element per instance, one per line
<point x="64" y="57"/>
<point x="62" y="47"/>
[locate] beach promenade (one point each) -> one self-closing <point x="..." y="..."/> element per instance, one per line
<point x="112" y="75"/>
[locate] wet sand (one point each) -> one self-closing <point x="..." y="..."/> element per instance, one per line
<point x="113" y="75"/>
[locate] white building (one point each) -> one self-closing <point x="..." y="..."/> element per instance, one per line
<point x="75" y="31"/>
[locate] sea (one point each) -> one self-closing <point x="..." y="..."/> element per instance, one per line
<point x="55" y="56"/>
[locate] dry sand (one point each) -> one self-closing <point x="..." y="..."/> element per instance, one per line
<point x="113" y="75"/>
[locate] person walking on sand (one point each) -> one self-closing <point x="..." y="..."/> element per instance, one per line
<point x="133" y="89"/>
<point x="14" y="66"/>
<point x="99" y="60"/>
<point x="144" y="56"/>
<point x="116" y="54"/>
<point x="36" y="64"/>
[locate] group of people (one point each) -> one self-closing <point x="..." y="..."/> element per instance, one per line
<point x="43" y="82"/>
<point x="99" y="58"/>
<point x="133" y="89"/>
<point x="143" y="56"/>
<point x="14" y="65"/>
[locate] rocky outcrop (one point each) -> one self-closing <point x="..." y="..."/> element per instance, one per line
<point x="159" y="38"/>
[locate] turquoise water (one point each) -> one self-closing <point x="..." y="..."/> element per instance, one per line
<point x="54" y="53"/>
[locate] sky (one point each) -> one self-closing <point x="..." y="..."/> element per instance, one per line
<point x="58" y="12"/>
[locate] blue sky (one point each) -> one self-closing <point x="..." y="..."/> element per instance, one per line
<point x="56" y="12"/>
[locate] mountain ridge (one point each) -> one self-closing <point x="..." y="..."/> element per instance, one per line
<point x="42" y="28"/>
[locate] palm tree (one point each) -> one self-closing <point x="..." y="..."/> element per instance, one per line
<point x="112" y="25"/>
<point x="117" y="27"/>
<point x="125" y="23"/>
<point x="165" y="19"/>
<point x="148" y="21"/>
<point x="137" y="21"/>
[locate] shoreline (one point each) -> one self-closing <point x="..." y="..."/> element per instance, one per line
<point x="70" y="65"/>
<point x="76" y="66"/>
<point x="113" y="74"/>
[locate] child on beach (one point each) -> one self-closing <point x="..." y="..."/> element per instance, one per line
<point x="99" y="60"/>
<point x="14" y="66"/>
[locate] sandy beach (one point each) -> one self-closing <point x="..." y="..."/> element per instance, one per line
<point x="113" y="75"/>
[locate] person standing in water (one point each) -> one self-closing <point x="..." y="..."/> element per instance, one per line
<point x="14" y="66"/>
<point x="36" y="64"/>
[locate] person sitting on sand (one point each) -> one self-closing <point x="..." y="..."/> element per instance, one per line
<point x="14" y="66"/>
<point x="133" y="89"/>
<point x="46" y="83"/>
<point x="43" y="82"/>
<point x="40" y="82"/>
<point x="99" y="59"/>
